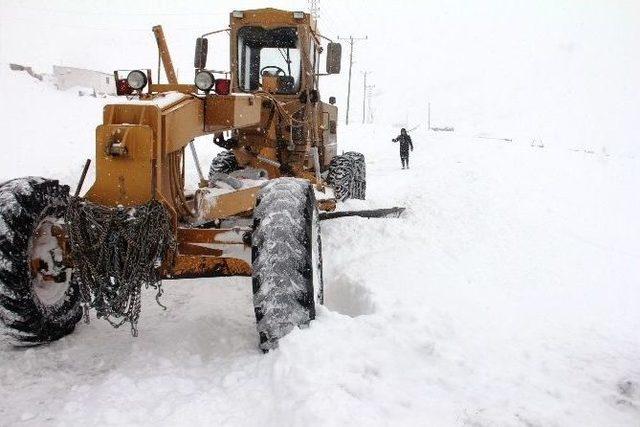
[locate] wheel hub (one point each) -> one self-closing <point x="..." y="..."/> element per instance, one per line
<point x="48" y="266"/>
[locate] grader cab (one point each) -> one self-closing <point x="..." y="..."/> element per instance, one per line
<point x="256" y="214"/>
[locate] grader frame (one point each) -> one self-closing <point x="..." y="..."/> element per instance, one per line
<point x="140" y="149"/>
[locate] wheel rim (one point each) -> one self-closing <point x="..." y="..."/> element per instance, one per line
<point x="50" y="275"/>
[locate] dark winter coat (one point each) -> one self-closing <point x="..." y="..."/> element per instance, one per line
<point x="405" y="144"/>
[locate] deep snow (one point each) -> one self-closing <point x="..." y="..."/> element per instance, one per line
<point x="506" y="295"/>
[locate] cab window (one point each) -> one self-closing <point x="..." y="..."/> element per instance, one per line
<point x="269" y="56"/>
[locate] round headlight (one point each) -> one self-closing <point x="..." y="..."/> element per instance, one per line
<point x="204" y="80"/>
<point x="137" y="79"/>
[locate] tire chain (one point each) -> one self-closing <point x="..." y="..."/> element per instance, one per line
<point x="116" y="251"/>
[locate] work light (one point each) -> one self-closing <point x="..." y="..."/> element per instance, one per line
<point x="136" y="79"/>
<point x="204" y="80"/>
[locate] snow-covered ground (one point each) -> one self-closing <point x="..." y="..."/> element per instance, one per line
<point x="507" y="295"/>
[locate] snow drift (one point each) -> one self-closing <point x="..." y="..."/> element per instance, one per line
<point x="506" y="295"/>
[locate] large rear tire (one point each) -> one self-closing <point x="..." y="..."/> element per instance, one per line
<point x="286" y="258"/>
<point x="39" y="298"/>
<point x="347" y="176"/>
<point x="359" y="184"/>
<point x="340" y="177"/>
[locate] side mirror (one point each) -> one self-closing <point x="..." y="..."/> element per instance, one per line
<point x="332" y="100"/>
<point x="200" y="60"/>
<point x="334" y="55"/>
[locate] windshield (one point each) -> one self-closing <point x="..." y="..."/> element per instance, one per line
<point x="270" y="55"/>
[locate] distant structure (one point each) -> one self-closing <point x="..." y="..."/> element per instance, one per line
<point x="64" y="78"/>
<point x="67" y="77"/>
<point x="28" y="70"/>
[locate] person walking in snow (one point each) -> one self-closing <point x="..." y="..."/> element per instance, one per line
<point x="405" y="143"/>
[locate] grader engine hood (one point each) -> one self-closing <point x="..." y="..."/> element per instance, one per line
<point x="138" y="141"/>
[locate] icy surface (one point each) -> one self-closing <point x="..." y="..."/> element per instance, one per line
<point x="507" y="295"/>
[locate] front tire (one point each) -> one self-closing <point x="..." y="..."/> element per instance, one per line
<point x="39" y="299"/>
<point x="286" y="258"/>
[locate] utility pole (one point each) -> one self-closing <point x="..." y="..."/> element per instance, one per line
<point x="351" y="40"/>
<point x="314" y="8"/>
<point x="369" y="90"/>
<point x="364" y="94"/>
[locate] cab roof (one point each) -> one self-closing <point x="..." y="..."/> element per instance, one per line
<point x="271" y="17"/>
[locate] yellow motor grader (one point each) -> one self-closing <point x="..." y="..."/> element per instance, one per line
<point x="256" y="214"/>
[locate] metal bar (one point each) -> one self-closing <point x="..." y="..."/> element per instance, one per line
<point x="82" y="177"/>
<point x="196" y="160"/>
<point x="212" y="205"/>
<point x="164" y="87"/>
<point x="216" y="32"/>
<point x="234" y="236"/>
<point x="191" y="249"/>
<point x="394" y="212"/>
<point x="189" y="266"/>
<point x="164" y="54"/>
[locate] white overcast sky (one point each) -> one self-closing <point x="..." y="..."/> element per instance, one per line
<point x="565" y="70"/>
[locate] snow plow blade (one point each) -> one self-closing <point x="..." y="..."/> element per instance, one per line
<point x="394" y="212"/>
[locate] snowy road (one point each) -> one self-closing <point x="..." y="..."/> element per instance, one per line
<point x="507" y="295"/>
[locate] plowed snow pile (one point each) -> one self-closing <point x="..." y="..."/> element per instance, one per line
<point x="507" y="295"/>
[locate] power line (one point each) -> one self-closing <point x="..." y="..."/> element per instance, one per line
<point x="351" y="40"/>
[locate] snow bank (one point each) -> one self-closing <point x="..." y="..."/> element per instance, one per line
<point x="507" y="295"/>
<point x="45" y="132"/>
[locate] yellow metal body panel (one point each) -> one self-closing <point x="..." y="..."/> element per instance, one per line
<point x="329" y="130"/>
<point x="126" y="179"/>
<point x="227" y="112"/>
<point x="181" y="123"/>
<point x="161" y="128"/>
